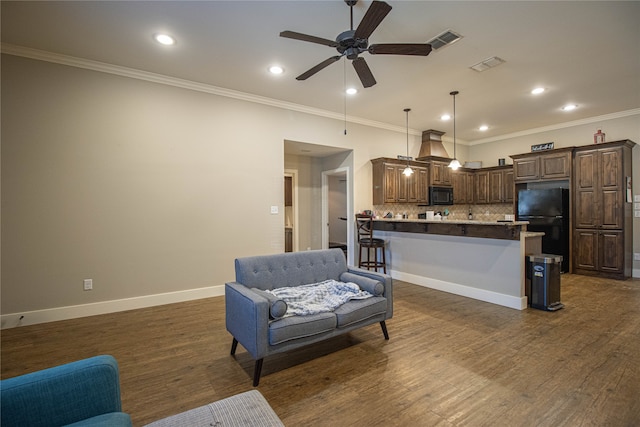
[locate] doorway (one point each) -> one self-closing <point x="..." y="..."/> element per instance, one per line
<point x="335" y="201"/>
<point x="290" y="211"/>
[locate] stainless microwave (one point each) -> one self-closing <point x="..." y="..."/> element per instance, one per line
<point x="440" y="195"/>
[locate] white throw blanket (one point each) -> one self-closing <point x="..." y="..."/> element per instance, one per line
<point x="318" y="297"/>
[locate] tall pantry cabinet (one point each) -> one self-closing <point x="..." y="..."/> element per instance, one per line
<point x="603" y="216"/>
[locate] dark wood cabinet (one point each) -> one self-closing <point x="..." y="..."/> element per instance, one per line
<point x="551" y="165"/>
<point x="418" y="185"/>
<point x="508" y="185"/>
<point x="440" y="173"/>
<point x="390" y="185"/>
<point x="463" y="186"/>
<point x="599" y="251"/>
<point x="481" y="187"/>
<point x="496" y="178"/>
<point x="494" y="185"/>
<point x="602" y="222"/>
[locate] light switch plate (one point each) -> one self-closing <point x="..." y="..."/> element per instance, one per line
<point x="274" y="210"/>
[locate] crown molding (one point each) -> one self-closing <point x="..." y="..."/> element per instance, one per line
<point x="104" y="67"/>
<point x="564" y="125"/>
<point x="118" y="70"/>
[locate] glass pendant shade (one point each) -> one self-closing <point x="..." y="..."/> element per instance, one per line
<point x="407" y="171"/>
<point x="455" y="164"/>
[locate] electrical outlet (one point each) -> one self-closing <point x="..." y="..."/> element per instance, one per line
<point x="274" y="210"/>
<point x="87" y="284"/>
<point x="636" y="214"/>
<point x="636" y="198"/>
<point x="636" y="256"/>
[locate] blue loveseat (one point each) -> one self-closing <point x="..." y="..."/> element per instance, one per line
<point x="253" y="317"/>
<point x="82" y="393"/>
<point x="87" y="393"/>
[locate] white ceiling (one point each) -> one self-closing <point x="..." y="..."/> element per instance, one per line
<point x="583" y="52"/>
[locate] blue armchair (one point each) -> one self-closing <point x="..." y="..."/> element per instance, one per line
<point x="82" y="393"/>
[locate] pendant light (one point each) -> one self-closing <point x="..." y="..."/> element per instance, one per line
<point x="455" y="164"/>
<point x="407" y="171"/>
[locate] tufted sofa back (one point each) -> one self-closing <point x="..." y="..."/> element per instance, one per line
<point x="290" y="269"/>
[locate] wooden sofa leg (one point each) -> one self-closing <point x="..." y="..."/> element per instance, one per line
<point x="234" y="346"/>
<point x="384" y="330"/>
<point x="256" y="372"/>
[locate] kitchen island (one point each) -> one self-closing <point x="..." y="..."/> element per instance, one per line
<point x="475" y="259"/>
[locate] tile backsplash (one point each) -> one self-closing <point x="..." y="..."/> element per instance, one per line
<point x="490" y="212"/>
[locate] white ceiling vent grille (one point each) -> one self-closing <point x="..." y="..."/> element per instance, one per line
<point x="494" y="61"/>
<point x="444" y="39"/>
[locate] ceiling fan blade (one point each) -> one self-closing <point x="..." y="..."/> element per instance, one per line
<point x="308" y="38"/>
<point x="400" y="49"/>
<point x="366" y="77"/>
<point x="372" y="18"/>
<point x="320" y="66"/>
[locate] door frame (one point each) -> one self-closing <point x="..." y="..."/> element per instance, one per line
<point x="346" y="173"/>
<point x="293" y="173"/>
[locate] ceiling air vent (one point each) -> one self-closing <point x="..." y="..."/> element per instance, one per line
<point x="494" y="61"/>
<point x="444" y="39"/>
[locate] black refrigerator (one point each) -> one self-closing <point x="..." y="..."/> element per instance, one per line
<point x="547" y="210"/>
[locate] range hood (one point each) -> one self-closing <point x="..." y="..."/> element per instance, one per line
<point x="432" y="144"/>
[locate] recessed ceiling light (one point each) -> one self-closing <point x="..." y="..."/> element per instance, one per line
<point x="351" y="91"/>
<point x="569" y="107"/>
<point x="276" y="69"/>
<point x="537" y="91"/>
<point x="483" y="128"/>
<point x="445" y="117"/>
<point x="164" y="39"/>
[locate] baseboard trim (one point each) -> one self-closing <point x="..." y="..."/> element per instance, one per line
<point x="518" y="303"/>
<point x="75" y="311"/>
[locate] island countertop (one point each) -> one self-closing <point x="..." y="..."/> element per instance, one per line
<point x="484" y="260"/>
<point x="508" y="230"/>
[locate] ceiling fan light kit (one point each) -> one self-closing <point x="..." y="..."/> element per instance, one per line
<point x="352" y="43"/>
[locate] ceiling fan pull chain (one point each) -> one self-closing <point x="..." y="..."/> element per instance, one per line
<point x="344" y="72"/>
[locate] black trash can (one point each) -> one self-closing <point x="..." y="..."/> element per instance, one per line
<point x="543" y="277"/>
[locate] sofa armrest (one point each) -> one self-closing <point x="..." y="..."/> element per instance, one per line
<point x="373" y="286"/>
<point x="385" y="279"/>
<point x="63" y="394"/>
<point x="247" y="318"/>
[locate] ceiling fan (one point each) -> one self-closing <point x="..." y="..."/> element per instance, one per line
<point x="352" y="43"/>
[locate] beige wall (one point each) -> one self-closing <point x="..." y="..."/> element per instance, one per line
<point x="147" y="188"/>
<point x="152" y="189"/>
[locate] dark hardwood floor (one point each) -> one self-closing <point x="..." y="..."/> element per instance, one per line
<point x="451" y="361"/>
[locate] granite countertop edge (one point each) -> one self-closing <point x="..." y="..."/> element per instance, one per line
<point x="452" y="221"/>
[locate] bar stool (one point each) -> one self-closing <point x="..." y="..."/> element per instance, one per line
<point x="364" y="227"/>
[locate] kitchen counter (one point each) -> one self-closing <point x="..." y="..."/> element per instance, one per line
<point x="484" y="229"/>
<point x="476" y="259"/>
